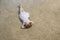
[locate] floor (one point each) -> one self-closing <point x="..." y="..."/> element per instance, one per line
<point x="44" y="13"/>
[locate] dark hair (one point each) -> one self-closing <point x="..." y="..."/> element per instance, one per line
<point x="28" y="25"/>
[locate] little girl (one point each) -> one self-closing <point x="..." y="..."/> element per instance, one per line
<point x="24" y="16"/>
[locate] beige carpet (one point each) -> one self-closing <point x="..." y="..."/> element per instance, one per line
<point x="44" y="13"/>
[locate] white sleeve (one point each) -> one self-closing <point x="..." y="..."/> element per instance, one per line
<point x="28" y="15"/>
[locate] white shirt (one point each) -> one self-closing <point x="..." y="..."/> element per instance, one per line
<point x="24" y="16"/>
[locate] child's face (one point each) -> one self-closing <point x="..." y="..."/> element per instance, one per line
<point x="28" y="25"/>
